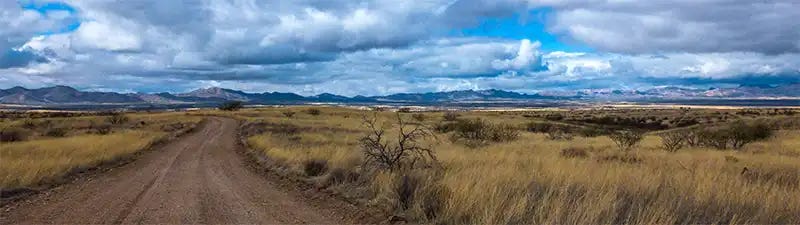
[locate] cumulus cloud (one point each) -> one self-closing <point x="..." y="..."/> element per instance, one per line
<point x="680" y="26"/>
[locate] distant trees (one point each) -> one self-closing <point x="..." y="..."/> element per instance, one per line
<point x="231" y="105"/>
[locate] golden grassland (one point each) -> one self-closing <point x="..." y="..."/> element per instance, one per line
<point x="41" y="159"/>
<point x="529" y="180"/>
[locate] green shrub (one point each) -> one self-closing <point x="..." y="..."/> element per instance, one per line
<point x="477" y="132"/>
<point x="231" y="105"/>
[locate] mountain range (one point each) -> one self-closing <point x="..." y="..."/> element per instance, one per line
<point x="65" y="95"/>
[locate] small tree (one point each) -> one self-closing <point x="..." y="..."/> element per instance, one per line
<point x="673" y="141"/>
<point x="117" y="119"/>
<point x="626" y="139"/>
<point x="742" y="133"/>
<point x="231" y="106"/>
<point x="405" y="151"/>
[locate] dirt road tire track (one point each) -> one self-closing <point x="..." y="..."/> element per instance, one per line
<point x="198" y="178"/>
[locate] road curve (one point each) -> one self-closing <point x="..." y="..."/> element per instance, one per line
<point x="197" y="179"/>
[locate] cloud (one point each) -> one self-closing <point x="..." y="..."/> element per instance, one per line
<point x="679" y="26"/>
<point x="383" y="46"/>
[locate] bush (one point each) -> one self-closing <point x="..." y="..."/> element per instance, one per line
<point x="554" y="116"/>
<point x="56" y="132"/>
<point x="117" y="119"/>
<point x="102" y="129"/>
<point x="591" y="132"/>
<point x="231" y="105"/>
<point x="401" y="153"/>
<point x="626" y="139"/>
<point x="13" y="134"/>
<point x="477" y="132"/>
<point x="315" y="167"/>
<point x="673" y="141"/>
<point x="313" y="112"/>
<point x="736" y="135"/>
<point x="538" y="127"/>
<point x="559" y="133"/>
<point x="574" y="152"/>
<point x="445" y="127"/>
<point x="288" y="114"/>
<point x="742" y="133"/>
<point x="450" y="116"/>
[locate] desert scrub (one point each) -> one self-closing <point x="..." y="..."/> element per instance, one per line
<point x="535" y="180"/>
<point x="29" y="163"/>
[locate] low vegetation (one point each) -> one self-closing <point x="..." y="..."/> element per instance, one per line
<point x="532" y="178"/>
<point x="38" y="151"/>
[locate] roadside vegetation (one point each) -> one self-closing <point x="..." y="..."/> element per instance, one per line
<point x="37" y="149"/>
<point x="637" y="166"/>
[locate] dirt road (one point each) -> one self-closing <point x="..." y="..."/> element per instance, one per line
<point x="198" y="178"/>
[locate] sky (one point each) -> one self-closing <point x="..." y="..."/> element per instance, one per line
<point x="377" y="47"/>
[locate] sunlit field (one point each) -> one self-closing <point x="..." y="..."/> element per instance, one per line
<point x="38" y="149"/>
<point x="529" y="175"/>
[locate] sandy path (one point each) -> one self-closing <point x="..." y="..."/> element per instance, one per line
<point x="198" y="178"/>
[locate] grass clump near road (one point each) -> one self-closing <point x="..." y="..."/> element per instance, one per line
<point x="535" y="179"/>
<point x="38" y="151"/>
<point x="29" y="163"/>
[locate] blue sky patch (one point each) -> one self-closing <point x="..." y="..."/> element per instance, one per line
<point x="532" y="25"/>
<point x="69" y="24"/>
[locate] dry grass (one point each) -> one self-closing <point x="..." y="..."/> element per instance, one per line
<point x="44" y="158"/>
<point x="528" y="180"/>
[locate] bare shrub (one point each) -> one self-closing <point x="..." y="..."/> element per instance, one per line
<point x="288" y="114"/>
<point x="102" y="128"/>
<point x="315" y="167"/>
<point x="503" y="133"/>
<point x="692" y="139"/>
<point x="574" y="152"/>
<point x="117" y="119"/>
<point x="673" y="141"/>
<point x="626" y="139"/>
<point x="403" y="152"/>
<point x="559" y="133"/>
<point x="314" y="112"/>
<point x="12" y="134"/>
<point x="450" y="116"/>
